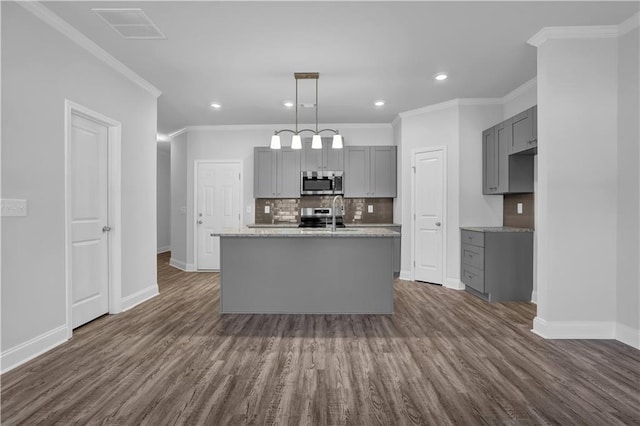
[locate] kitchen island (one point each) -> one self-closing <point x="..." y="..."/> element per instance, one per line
<point x="313" y="271"/>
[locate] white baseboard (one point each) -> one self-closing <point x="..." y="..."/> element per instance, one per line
<point x="139" y="296"/>
<point x="405" y="275"/>
<point x="187" y="267"/>
<point x="628" y="335"/>
<point x="30" y="349"/>
<point x="534" y="297"/>
<point x="454" y="284"/>
<point x="164" y="249"/>
<point x="574" y="329"/>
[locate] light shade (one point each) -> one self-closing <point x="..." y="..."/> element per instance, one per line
<point x="337" y="142"/>
<point x="316" y="142"/>
<point x="275" y="142"/>
<point x="296" y="142"/>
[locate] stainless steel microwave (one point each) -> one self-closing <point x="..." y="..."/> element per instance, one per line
<point x="321" y="183"/>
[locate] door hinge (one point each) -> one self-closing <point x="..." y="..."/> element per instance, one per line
<point x="413" y="168"/>
<point x="239" y="176"/>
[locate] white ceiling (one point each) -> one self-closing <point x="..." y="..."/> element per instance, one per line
<point x="243" y="54"/>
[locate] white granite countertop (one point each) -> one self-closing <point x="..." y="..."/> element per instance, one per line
<point x="348" y="225"/>
<point x="281" y="232"/>
<point x="495" y="229"/>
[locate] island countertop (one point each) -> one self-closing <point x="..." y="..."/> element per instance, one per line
<point x="374" y="232"/>
<point x="495" y="229"/>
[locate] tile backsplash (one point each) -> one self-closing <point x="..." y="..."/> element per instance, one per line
<point x="510" y="211"/>
<point x="287" y="210"/>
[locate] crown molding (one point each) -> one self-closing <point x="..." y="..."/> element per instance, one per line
<point x="453" y="103"/>
<point x="272" y="127"/>
<point x="430" y="108"/>
<point x="589" y="32"/>
<point x="629" y="25"/>
<point x="176" y="133"/>
<point x="520" y="90"/>
<point x="59" y="24"/>
<point x="479" y="101"/>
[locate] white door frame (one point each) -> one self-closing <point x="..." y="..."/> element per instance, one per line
<point x="114" y="199"/>
<point x="445" y="200"/>
<point x="196" y="163"/>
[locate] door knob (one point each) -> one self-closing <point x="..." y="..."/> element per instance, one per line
<point x="199" y="222"/>
<point x="438" y="223"/>
<point x="106" y="228"/>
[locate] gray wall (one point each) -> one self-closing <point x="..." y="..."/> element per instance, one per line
<point x="577" y="181"/>
<point x="179" y="201"/>
<point x="164" y="199"/>
<point x="40" y="69"/>
<point x="628" y="275"/>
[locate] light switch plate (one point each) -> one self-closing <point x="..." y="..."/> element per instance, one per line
<point x="248" y="209"/>
<point x="519" y="208"/>
<point x="267" y="209"/>
<point x="14" y="207"/>
<point x="370" y="208"/>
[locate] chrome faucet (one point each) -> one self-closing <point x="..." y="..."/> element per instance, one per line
<point x="333" y="211"/>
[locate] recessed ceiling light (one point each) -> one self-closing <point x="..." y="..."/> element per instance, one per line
<point x="215" y="105"/>
<point x="440" y="76"/>
<point x="288" y="104"/>
<point x="379" y="103"/>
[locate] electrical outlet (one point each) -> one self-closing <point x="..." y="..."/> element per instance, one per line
<point x="370" y="208"/>
<point x="267" y="209"/>
<point x="519" y="208"/>
<point x="14" y="207"/>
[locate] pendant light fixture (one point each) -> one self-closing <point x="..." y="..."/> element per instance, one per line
<point x="316" y="141"/>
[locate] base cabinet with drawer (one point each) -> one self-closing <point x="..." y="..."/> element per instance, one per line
<point x="497" y="264"/>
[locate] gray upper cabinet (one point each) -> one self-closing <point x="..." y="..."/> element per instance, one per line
<point x="264" y="172"/>
<point x="288" y="173"/>
<point x="502" y="143"/>
<point x="383" y="171"/>
<point x="503" y="173"/>
<point x="524" y="131"/>
<point x="489" y="162"/>
<point x="370" y="171"/>
<point x="356" y="172"/>
<point x="276" y="173"/>
<point x="323" y="159"/>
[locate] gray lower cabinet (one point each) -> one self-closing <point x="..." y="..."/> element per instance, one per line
<point x="397" y="243"/>
<point x="370" y="171"/>
<point x="497" y="266"/>
<point x="325" y="159"/>
<point x="276" y="173"/>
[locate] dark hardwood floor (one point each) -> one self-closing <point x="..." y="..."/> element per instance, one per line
<point x="444" y="357"/>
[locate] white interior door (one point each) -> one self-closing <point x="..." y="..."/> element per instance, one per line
<point x="428" y="213"/>
<point x="88" y="161"/>
<point x="218" y="208"/>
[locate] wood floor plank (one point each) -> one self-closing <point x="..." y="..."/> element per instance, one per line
<point x="444" y="357"/>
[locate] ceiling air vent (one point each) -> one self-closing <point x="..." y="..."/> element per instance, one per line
<point x="130" y="23"/>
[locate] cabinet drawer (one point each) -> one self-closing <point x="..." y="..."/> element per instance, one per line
<point x="473" y="277"/>
<point x="473" y="237"/>
<point x="473" y="256"/>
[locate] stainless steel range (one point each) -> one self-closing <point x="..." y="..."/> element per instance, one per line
<point x="320" y="217"/>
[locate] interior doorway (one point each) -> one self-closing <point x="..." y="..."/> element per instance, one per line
<point x="428" y="214"/>
<point x="92" y="218"/>
<point x="217" y="208"/>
